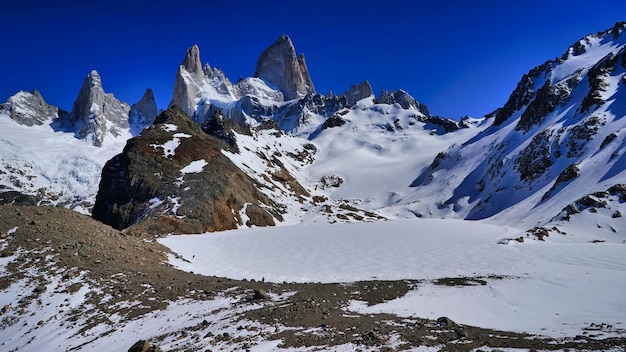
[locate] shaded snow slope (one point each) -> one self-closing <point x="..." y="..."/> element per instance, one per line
<point x="559" y="138"/>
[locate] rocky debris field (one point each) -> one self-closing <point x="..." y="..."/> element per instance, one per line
<point x="125" y="277"/>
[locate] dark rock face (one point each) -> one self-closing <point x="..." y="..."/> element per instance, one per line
<point x="358" y="92"/>
<point x="333" y="121"/>
<point x="578" y="136"/>
<point x="192" y="61"/>
<point x="30" y="109"/>
<point x="8" y="196"/>
<point x="173" y="178"/>
<point x="548" y="97"/>
<point x="442" y="125"/>
<point x="597" y="80"/>
<point x="224" y="129"/>
<point x="595" y="201"/>
<point x="279" y="65"/>
<point x="536" y="158"/>
<point x="570" y="173"/>
<point x="522" y="95"/>
<point x="143" y="112"/>
<point x="144" y="346"/>
<point x="404" y="99"/>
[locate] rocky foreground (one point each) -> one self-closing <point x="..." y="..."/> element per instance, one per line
<point x="124" y="277"/>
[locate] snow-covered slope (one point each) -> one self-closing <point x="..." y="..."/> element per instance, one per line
<point x="57" y="169"/>
<point x="560" y="137"/>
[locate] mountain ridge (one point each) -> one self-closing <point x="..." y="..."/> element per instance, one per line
<point x="535" y="141"/>
<point x="543" y="180"/>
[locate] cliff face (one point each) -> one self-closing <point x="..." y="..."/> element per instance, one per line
<point x="189" y="79"/>
<point x="96" y="113"/>
<point x="279" y="66"/>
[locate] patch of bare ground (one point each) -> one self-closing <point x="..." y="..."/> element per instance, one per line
<point x="132" y="271"/>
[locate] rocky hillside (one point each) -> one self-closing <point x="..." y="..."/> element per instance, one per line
<point x="69" y="282"/>
<point x="173" y="178"/>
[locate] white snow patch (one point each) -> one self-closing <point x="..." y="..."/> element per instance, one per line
<point x="194" y="167"/>
<point x="169" y="147"/>
<point x="168" y="127"/>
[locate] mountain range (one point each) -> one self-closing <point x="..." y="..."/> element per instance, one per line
<point x="556" y="143"/>
<point x="90" y="200"/>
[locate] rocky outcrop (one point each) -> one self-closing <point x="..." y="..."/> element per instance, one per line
<point x="402" y="98"/>
<point x="143" y="112"/>
<point x="546" y="100"/>
<point x="608" y="200"/>
<point x="144" y="346"/>
<point x="173" y="178"/>
<point x="358" y="92"/>
<point x="279" y="66"/>
<point x="96" y="113"/>
<point x="30" y="109"/>
<point x="523" y="94"/>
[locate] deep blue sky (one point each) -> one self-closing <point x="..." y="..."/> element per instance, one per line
<point x="457" y="57"/>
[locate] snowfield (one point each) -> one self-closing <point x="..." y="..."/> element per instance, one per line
<point x="557" y="288"/>
<point x="40" y="159"/>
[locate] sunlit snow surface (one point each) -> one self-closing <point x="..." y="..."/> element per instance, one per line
<point x="39" y="159"/>
<point x="556" y="288"/>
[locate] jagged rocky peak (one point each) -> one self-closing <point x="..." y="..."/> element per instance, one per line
<point x="402" y="98"/>
<point x="192" y="62"/>
<point x="358" y="92"/>
<point x="96" y="113"/>
<point x="188" y="81"/>
<point x="144" y="111"/>
<point x="29" y="109"/>
<point x="618" y="29"/>
<point x="279" y="66"/>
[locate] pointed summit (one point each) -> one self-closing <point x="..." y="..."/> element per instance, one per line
<point x="188" y="80"/>
<point x="279" y="66"/>
<point x="143" y="112"/>
<point x="192" y="62"/>
<point x="95" y="112"/>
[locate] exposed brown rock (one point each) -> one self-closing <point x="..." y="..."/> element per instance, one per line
<point x="145" y="187"/>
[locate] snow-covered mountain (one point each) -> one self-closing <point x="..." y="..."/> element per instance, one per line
<point x="267" y="151"/>
<point x="560" y="137"/>
<point x="52" y="157"/>
<point x="557" y="140"/>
